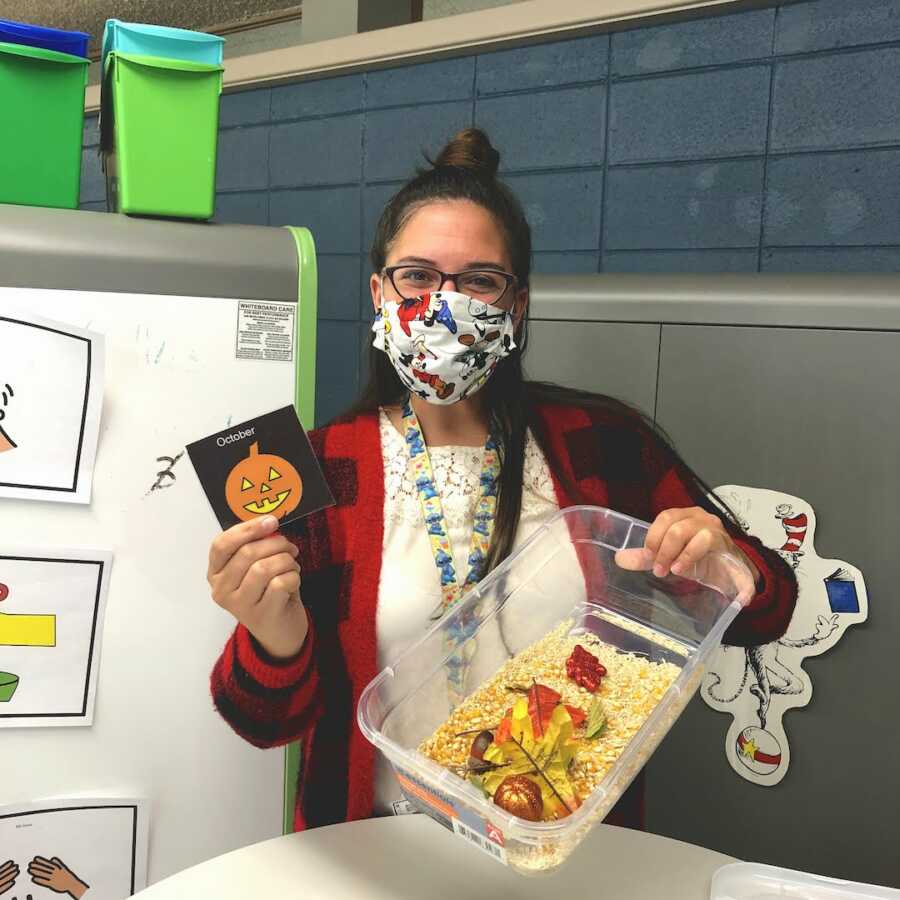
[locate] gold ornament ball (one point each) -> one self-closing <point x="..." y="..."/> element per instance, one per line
<point x="521" y="797"/>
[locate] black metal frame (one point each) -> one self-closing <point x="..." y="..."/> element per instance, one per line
<point x="452" y="276"/>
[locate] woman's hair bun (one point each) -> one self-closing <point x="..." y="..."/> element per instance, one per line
<point x="470" y="149"/>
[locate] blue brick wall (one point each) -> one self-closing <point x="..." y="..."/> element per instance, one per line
<point x="766" y="140"/>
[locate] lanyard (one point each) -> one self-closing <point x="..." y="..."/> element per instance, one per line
<point x="436" y="522"/>
<point x="439" y="536"/>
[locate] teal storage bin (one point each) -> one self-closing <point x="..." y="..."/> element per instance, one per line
<point x="160" y="41"/>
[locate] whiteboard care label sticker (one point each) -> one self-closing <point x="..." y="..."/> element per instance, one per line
<point x="265" y="330"/>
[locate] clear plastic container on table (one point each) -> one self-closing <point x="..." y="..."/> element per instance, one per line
<point x="587" y="566"/>
<point x="755" y="881"/>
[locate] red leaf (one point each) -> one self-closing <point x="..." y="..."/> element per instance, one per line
<point x="577" y="715"/>
<point x="503" y="733"/>
<point x="541" y="701"/>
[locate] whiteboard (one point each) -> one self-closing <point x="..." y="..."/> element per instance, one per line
<point x="171" y="377"/>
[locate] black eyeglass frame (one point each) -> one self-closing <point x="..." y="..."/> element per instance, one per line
<point x="449" y="276"/>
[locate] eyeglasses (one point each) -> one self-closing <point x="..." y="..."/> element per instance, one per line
<point x="488" y="285"/>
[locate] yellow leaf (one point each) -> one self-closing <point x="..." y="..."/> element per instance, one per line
<point x="493" y="754"/>
<point x="521" y="728"/>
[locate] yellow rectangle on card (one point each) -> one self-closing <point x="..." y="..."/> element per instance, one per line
<point x="27" y="631"/>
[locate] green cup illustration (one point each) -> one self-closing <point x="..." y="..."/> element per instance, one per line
<point x="8" y="685"/>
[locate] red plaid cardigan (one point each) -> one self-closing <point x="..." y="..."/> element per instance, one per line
<point x="612" y="459"/>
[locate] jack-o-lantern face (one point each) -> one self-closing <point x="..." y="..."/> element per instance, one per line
<point x="263" y="485"/>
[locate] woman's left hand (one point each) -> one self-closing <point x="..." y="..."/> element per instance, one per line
<point x="680" y="540"/>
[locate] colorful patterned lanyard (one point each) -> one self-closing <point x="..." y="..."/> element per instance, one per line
<point x="439" y="537"/>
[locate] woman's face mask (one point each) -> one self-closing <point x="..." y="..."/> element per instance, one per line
<point x="444" y="345"/>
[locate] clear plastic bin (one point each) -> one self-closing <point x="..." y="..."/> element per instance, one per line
<point x="755" y="881"/>
<point x="572" y="568"/>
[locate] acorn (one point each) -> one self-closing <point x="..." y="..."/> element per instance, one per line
<point x="480" y="744"/>
<point x="521" y="797"/>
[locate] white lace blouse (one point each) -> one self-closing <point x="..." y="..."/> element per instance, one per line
<point x="409" y="590"/>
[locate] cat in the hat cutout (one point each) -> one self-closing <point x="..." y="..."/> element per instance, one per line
<point x="757" y="685"/>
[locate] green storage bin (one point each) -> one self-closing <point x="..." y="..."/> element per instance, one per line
<point x="159" y="126"/>
<point x="42" y="110"/>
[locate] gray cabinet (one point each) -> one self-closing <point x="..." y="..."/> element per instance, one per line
<point x="615" y="358"/>
<point x="788" y="383"/>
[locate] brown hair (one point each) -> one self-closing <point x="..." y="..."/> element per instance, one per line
<point x="466" y="169"/>
<point x="470" y="149"/>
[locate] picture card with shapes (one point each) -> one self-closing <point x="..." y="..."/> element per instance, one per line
<point x="93" y="847"/>
<point x="51" y="394"/>
<point x="52" y="608"/>
<point x="264" y="466"/>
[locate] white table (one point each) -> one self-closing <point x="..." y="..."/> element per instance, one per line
<point x="413" y="857"/>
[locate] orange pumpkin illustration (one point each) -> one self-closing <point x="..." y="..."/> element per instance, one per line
<point x="263" y="485"/>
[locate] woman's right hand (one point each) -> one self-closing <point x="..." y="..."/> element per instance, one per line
<point x="254" y="574"/>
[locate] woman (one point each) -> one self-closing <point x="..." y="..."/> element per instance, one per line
<point x="447" y="415"/>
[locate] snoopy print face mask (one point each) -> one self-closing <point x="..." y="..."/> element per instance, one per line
<point x="444" y="345"/>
